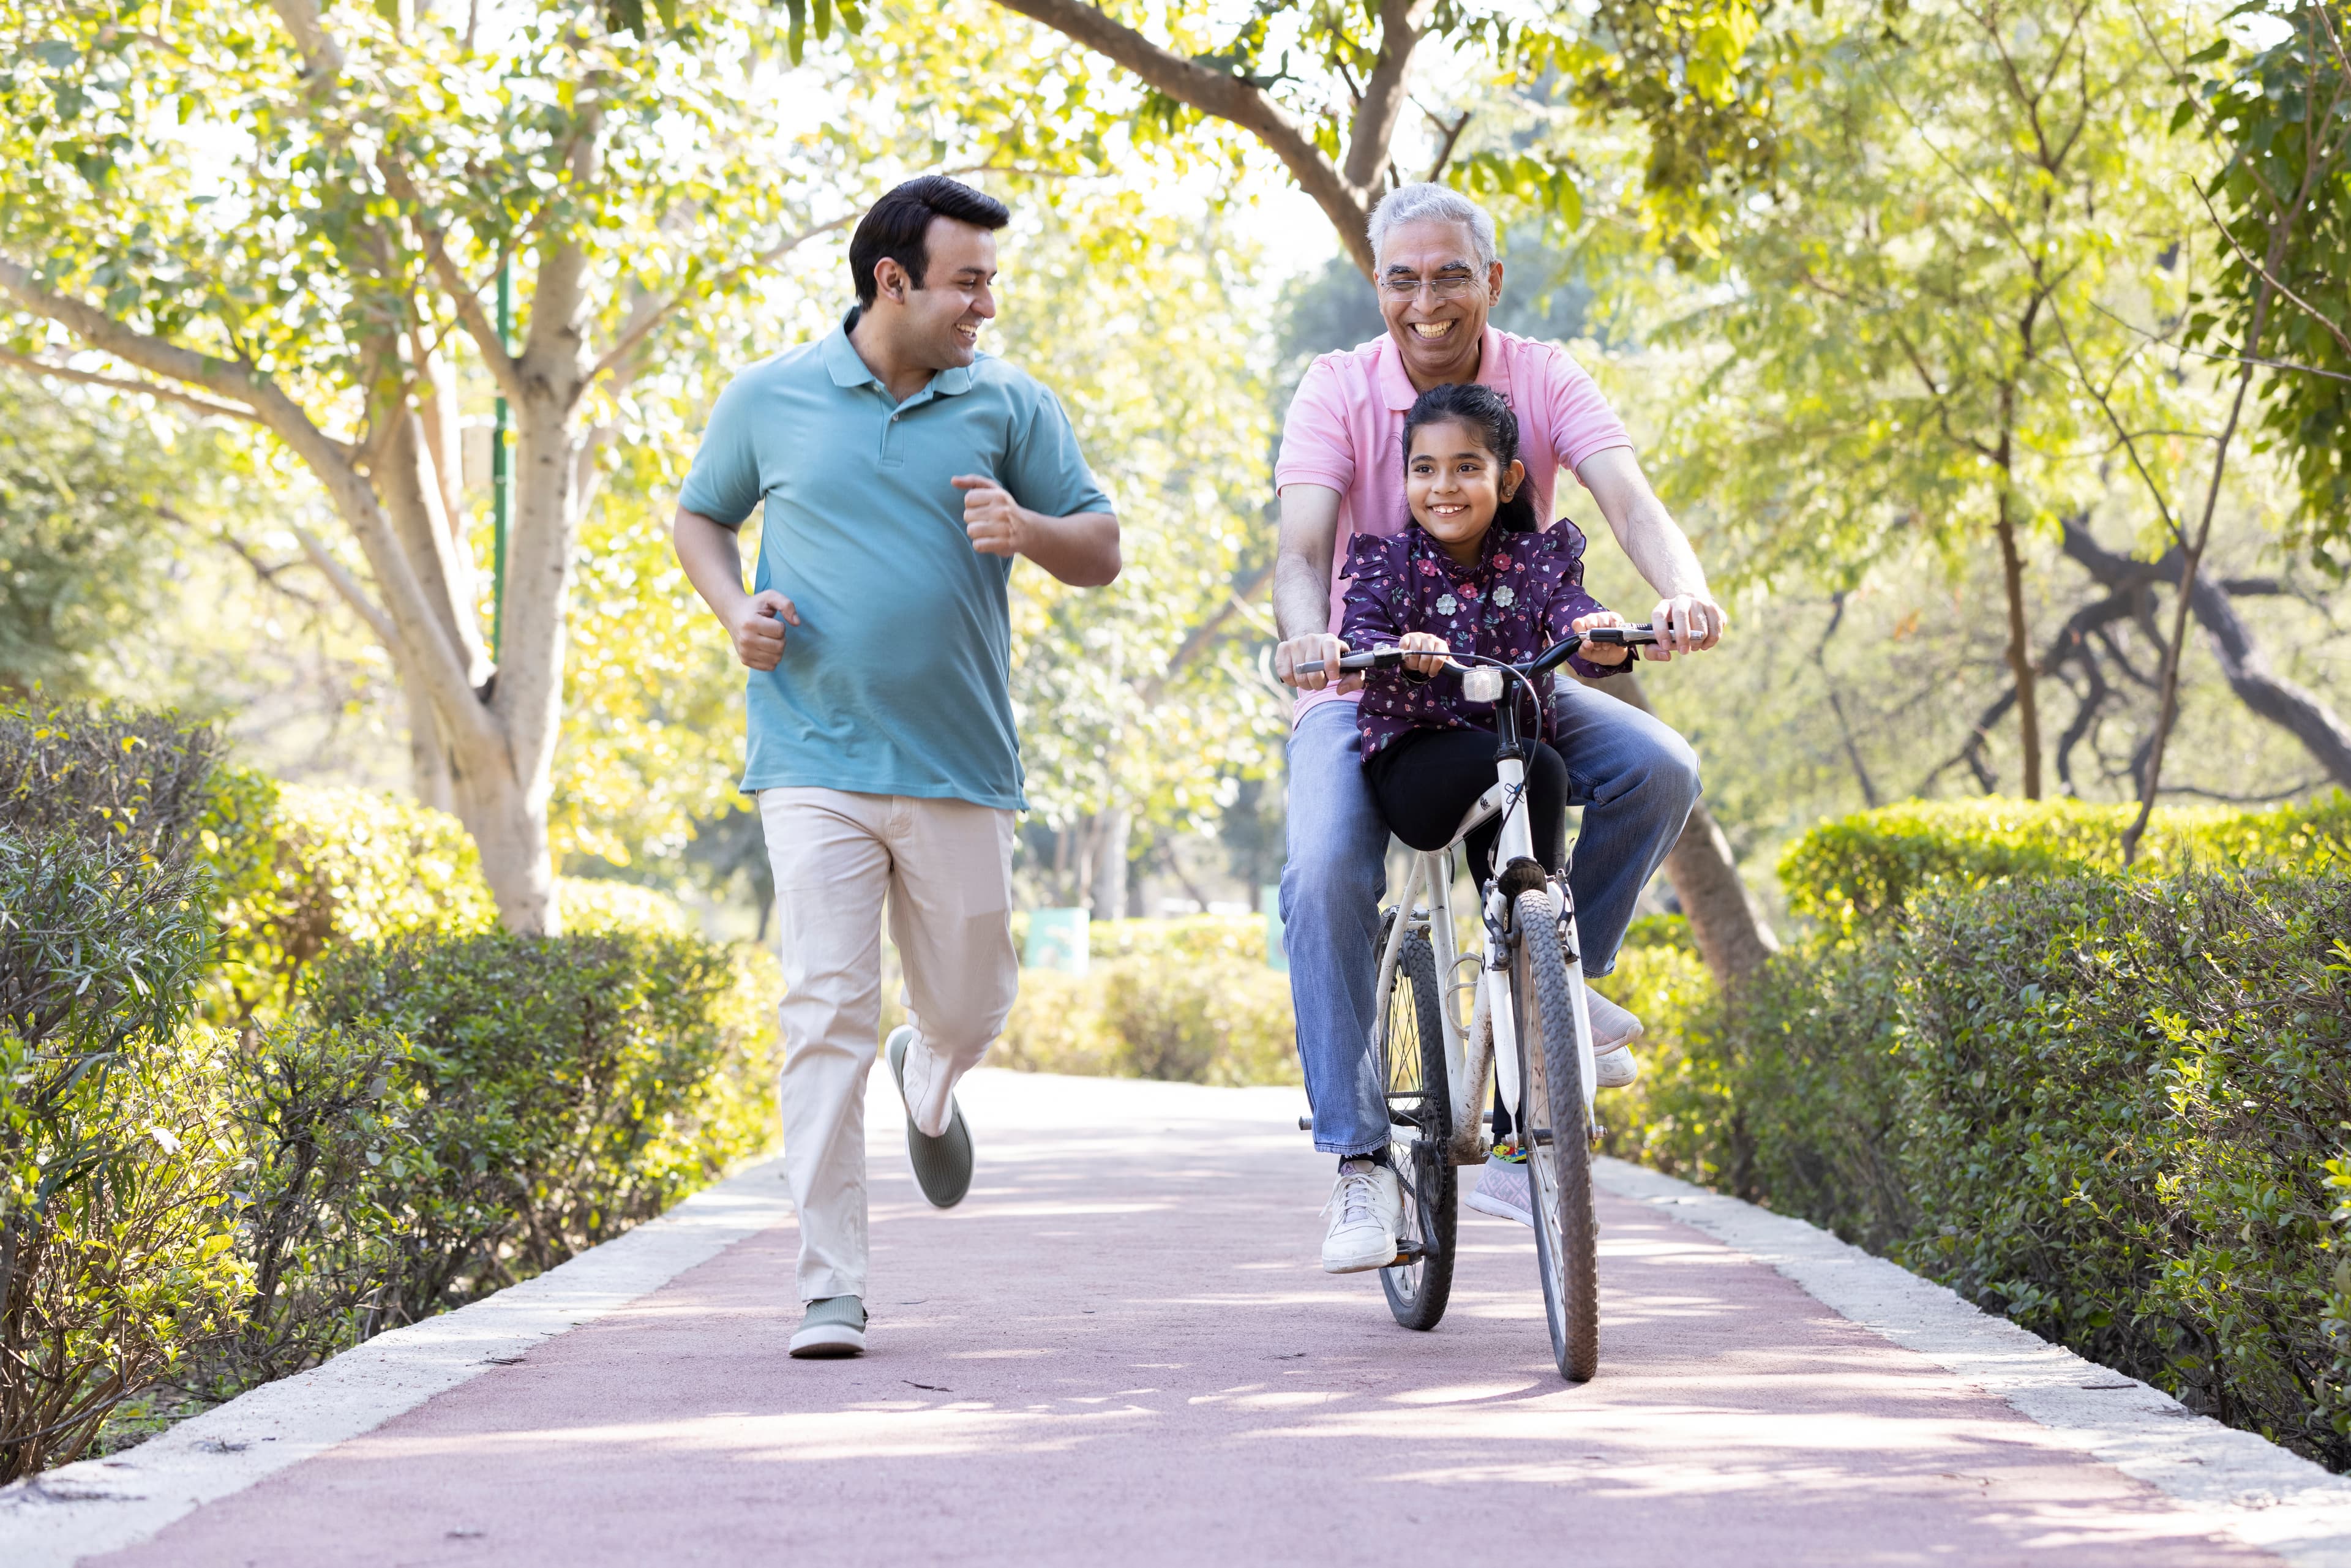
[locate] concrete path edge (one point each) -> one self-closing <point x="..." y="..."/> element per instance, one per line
<point x="93" y="1506"/>
<point x="2235" y="1481"/>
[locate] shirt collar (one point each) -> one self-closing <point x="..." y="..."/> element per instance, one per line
<point x="848" y="368"/>
<point x="840" y="357"/>
<point x="1426" y="545"/>
<point x="1397" y="391"/>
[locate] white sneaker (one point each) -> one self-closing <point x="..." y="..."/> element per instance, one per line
<point x="1366" y="1210"/>
<point x="1614" y="1030"/>
<point x="1614" y="1068"/>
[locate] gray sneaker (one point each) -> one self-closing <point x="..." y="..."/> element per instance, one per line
<point x="834" y="1327"/>
<point x="942" y="1164"/>
<point x="1503" y="1190"/>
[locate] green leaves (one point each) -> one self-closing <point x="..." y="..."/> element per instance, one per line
<point x="2281" y="116"/>
<point x="853" y="16"/>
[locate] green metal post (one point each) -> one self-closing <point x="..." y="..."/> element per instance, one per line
<point x="501" y="478"/>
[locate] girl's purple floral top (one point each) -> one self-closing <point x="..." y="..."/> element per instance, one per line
<point x="1523" y="595"/>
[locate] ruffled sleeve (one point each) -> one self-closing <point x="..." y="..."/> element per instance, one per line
<point x="1376" y="568"/>
<point x="1557" y="564"/>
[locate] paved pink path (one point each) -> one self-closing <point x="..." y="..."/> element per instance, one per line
<point x="1119" y="1350"/>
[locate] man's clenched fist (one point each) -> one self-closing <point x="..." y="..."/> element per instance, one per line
<point x="759" y="635"/>
<point x="991" y="516"/>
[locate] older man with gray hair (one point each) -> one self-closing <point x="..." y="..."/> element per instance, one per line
<point x="1340" y="472"/>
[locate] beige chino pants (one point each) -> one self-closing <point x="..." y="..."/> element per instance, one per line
<point x="945" y="867"/>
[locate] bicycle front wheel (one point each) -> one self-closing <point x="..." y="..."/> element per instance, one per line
<point x="1420" y="1119"/>
<point x="1557" y="1132"/>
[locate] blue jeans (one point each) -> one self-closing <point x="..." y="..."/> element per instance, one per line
<point x="1633" y="777"/>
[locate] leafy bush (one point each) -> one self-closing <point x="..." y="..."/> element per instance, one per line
<point x="1214" y="1020"/>
<point x="115" y="1243"/>
<point x="1862" y="869"/>
<point x="1057" y="1025"/>
<point x="116" y="1237"/>
<point x="2117" y="1109"/>
<point x="302" y="868"/>
<point x="1816" y="1070"/>
<point x="2128" y="1109"/>
<point x="594" y="905"/>
<point x="103" y="773"/>
<point x="1186" y="939"/>
<point x="326" y="1120"/>
<point x="1675" y="1118"/>
<point x="565" y="1089"/>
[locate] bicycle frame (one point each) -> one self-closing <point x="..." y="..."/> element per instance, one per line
<point x="1469" y="1043"/>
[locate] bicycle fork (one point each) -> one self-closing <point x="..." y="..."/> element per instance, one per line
<point x="1493" y="1029"/>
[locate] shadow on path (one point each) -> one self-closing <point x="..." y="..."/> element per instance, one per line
<point x="1120" y="1350"/>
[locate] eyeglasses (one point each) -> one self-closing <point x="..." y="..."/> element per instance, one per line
<point x="1444" y="286"/>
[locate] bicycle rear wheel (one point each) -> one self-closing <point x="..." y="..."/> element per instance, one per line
<point x="1420" y="1117"/>
<point x="1558" y="1137"/>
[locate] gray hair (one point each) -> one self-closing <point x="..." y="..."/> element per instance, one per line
<point x="1427" y="199"/>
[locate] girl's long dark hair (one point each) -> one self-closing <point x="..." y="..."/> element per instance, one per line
<point x="1481" y="411"/>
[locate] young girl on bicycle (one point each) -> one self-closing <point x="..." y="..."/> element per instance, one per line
<point x="1471" y="573"/>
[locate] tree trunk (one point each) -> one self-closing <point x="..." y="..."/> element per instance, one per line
<point x="428" y="754"/>
<point x="1731" y="933"/>
<point x="1116" y="830"/>
<point x="2020" y="647"/>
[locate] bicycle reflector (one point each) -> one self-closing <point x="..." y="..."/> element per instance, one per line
<point x="1482" y="685"/>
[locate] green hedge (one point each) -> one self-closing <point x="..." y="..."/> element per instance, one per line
<point x="2129" y="1110"/>
<point x="117" y="1242"/>
<point x="1211" y="1020"/>
<point x="412" y="1112"/>
<point x="447" y="1115"/>
<point x="303" y="868"/>
<point x="1859" y="869"/>
<point x="2116" y="1109"/>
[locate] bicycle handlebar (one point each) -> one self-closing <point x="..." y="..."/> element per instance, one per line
<point x="1548" y="659"/>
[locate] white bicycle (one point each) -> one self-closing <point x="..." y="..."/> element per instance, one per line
<point x="1524" y="988"/>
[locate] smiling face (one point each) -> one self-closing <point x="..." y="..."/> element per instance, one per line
<point x="1454" y="485"/>
<point x="936" y="327"/>
<point x="1435" y="295"/>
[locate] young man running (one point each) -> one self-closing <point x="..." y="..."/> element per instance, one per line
<point x="901" y="471"/>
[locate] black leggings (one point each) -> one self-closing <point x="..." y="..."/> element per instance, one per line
<point x="1425" y="781"/>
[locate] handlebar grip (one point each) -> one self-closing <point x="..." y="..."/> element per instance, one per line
<point x="1621" y="636"/>
<point x="1374" y="659"/>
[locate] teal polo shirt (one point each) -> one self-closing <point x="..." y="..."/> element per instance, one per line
<point x="897" y="681"/>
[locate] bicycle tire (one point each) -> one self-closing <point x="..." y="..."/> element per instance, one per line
<point x="1419" y="1093"/>
<point x="1558" y="1168"/>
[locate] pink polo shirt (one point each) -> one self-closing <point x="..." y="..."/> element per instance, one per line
<point x="1345" y="431"/>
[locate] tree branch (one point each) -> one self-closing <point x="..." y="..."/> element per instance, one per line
<point x="1836" y="705"/>
<point x="642" y="326"/>
<point x="229" y="378"/>
<point x="1402" y="24"/>
<point x="348" y="586"/>
<point x="322" y="58"/>
<point x="439" y="659"/>
<point x="466" y="296"/>
<point x="264" y="573"/>
<point x="1452" y="135"/>
<point x="2301" y="713"/>
<point x="125" y="383"/>
<point x="2253" y="263"/>
<point x="1222" y="96"/>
